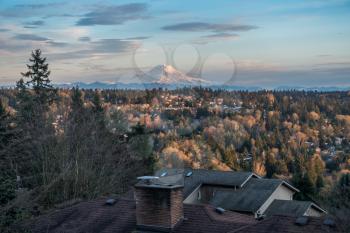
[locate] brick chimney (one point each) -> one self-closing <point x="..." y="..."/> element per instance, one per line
<point x="159" y="202"/>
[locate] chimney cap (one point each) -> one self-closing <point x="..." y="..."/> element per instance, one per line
<point x="147" y="177"/>
<point x="164" y="182"/>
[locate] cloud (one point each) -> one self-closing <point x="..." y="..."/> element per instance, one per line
<point x="138" y="38"/>
<point x="99" y="47"/>
<point x="56" y="44"/>
<point x="84" y="39"/>
<point x="52" y="15"/>
<point x="201" y="26"/>
<point x="222" y="35"/>
<point x="114" y="15"/>
<point x="4" y="30"/>
<point x="34" y="24"/>
<point x="10" y="46"/>
<point x="36" y="6"/>
<point x="334" y="63"/>
<point x="216" y="38"/>
<point x="27" y="10"/>
<point x="31" y="37"/>
<point x="112" y="46"/>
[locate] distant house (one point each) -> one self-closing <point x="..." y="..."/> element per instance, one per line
<point x="193" y="201"/>
<point x="243" y="192"/>
<point x="294" y="208"/>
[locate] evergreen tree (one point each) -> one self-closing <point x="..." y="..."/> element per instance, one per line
<point x="344" y="181"/>
<point x="319" y="182"/>
<point x="3" y="124"/>
<point x="270" y="165"/>
<point x="7" y="176"/>
<point x="38" y="74"/>
<point x="98" y="113"/>
<point x="77" y="101"/>
<point x="36" y="134"/>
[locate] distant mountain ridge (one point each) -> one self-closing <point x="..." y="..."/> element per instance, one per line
<point x="141" y="86"/>
<point x="166" y="76"/>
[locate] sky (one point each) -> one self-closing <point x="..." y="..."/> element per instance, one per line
<point x="264" y="43"/>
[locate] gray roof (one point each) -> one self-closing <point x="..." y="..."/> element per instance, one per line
<point x="250" y="198"/>
<point x="290" y="208"/>
<point x="201" y="176"/>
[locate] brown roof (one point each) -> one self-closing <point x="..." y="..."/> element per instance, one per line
<point x="287" y="224"/>
<point x="92" y="216"/>
<point x="97" y="217"/>
<point x="204" y="218"/>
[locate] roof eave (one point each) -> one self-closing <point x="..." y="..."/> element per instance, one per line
<point x="290" y="186"/>
<point x="249" y="177"/>
<point x="317" y="207"/>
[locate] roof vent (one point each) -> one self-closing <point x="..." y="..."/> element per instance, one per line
<point x="110" y="201"/>
<point x="329" y="222"/>
<point x="188" y="174"/>
<point x="220" y="210"/>
<point x="302" y="221"/>
<point x="164" y="174"/>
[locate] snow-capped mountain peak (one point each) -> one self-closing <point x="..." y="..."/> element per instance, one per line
<point x="167" y="74"/>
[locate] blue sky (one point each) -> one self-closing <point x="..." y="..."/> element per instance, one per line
<point x="268" y="43"/>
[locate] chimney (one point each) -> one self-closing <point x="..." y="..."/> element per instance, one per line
<point x="159" y="202"/>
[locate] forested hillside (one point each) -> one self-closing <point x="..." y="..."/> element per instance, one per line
<point x="58" y="146"/>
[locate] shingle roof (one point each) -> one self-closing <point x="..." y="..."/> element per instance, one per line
<point x="250" y="198"/>
<point x="286" y="224"/>
<point x="92" y="216"/>
<point x="201" y="176"/>
<point x="96" y="217"/>
<point x="204" y="218"/>
<point x="291" y="208"/>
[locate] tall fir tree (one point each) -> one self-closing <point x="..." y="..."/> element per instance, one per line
<point x="36" y="137"/>
<point x="38" y="74"/>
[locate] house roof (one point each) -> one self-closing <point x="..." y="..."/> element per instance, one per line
<point x="96" y="217"/>
<point x="201" y="176"/>
<point x="287" y="224"/>
<point x="250" y="198"/>
<point x="291" y="208"/>
<point x="204" y="218"/>
<point x="91" y="216"/>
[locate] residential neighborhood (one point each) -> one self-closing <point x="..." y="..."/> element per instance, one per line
<point x="190" y="200"/>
